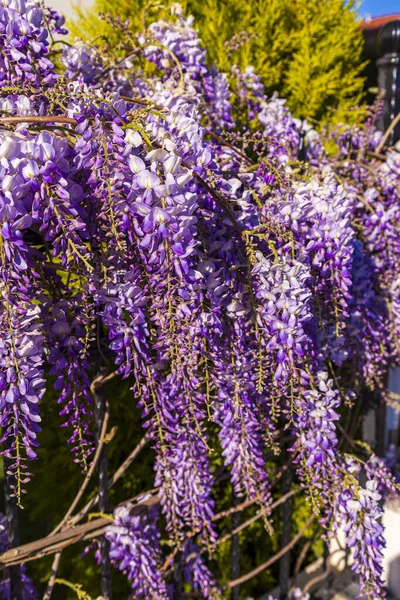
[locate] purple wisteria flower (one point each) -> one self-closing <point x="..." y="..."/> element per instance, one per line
<point x="239" y="281"/>
<point x="134" y="549"/>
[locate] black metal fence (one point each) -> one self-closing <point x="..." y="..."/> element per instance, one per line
<point x="382" y="49"/>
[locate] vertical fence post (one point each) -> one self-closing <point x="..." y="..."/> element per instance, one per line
<point x="12" y="520"/>
<point x="374" y="419"/>
<point x="389" y="78"/>
<point x="284" y="563"/>
<point x="178" y="577"/>
<point x="105" y="569"/>
<point x="235" y="549"/>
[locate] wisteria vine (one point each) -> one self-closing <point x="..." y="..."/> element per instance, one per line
<point x="178" y="224"/>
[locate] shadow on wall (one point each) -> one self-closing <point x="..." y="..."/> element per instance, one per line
<point x="393" y="577"/>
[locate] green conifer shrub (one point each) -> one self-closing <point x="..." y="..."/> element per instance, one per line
<point x="310" y="51"/>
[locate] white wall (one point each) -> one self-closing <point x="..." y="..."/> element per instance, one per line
<point x="65" y="6"/>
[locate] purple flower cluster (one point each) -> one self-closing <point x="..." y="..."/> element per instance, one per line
<point x="250" y="90"/>
<point x="70" y="365"/>
<point x="315" y="418"/>
<point x="228" y="293"/>
<point x="82" y="61"/>
<point x="198" y="574"/>
<point x="21" y="356"/>
<point x="280" y="127"/>
<point x="284" y="308"/>
<point x="179" y="53"/>
<point x="134" y="549"/>
<point x="24" y="42"/>
<point x="360" y="518"/>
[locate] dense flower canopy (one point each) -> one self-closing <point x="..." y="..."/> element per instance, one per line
<point x="243" y="279"/>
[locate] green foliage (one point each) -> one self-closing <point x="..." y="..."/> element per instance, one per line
<point x="76" y="587"/>
<point x="310" y="51"/>
<point x="94" y="26"/>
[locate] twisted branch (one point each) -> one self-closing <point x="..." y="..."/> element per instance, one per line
<point x="62" y="539"/>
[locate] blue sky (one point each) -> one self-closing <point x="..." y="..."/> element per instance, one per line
<point x="375" y="8"/>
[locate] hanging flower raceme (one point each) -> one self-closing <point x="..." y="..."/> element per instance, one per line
<point x="21" y="355"/>
<point x="360" y="518"/>
<point x="198" y="574"/>
<point x="69" y="336"/>
<point x="134" y="549"/>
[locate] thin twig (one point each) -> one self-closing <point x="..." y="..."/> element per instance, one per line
<point x="127" y="462"/>
<point x="112" y="481"/>
<point x="53" y="576"/>
<point x="89" y="474"/>
<point x="224" y="142"/>
<point x="387" y="133"/>
<point x="223" y="514"/>
<point x="257" y="516"/>
<point x="247" y="503"/>
<point x="101" y="380"/>
<point x="381" y="157"/>
<point x="273" y="559"/>
<point x="143" y="102"/>
<point x="115" y="66"/>
<point x="300" y="559"/>
<point x="317" y="579"/>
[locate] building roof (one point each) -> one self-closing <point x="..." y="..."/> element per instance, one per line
<point x="374" y="23"/>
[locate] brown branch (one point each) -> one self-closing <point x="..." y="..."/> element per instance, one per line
<point x="28" y="119"/>
<point x="143" y="102"/>
<point x="257" y="516"/>
<point x="62" y="539"/>
<point x="224" y="142"/>
<point x="247" y="503"/>
<point x="388" y="131"/>
<point x="273" y="559"/>
<point x="101" y="380"/>
<point x="379" y="156"/>
<point x="115" y="66"/>
<point x="89" y="474"/>
<point x="317" y="579"/>
<point x="127" y="462"/>
<point x="53" y="576"/>
<point x="112" y="481"/>
<point x="52" y="544"/>
<point x="300" y="560"/>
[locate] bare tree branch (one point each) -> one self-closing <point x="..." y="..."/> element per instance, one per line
<point x="62" y="539"/>
<point x="53" y="576"/>
<point x="112" y="481"/>
<point x="388" y="131"/>
<point x="38" y="120"/>
<point x="273" y="559"/>
<point x="89" y="474"/>
<point x="255" y="517"/>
